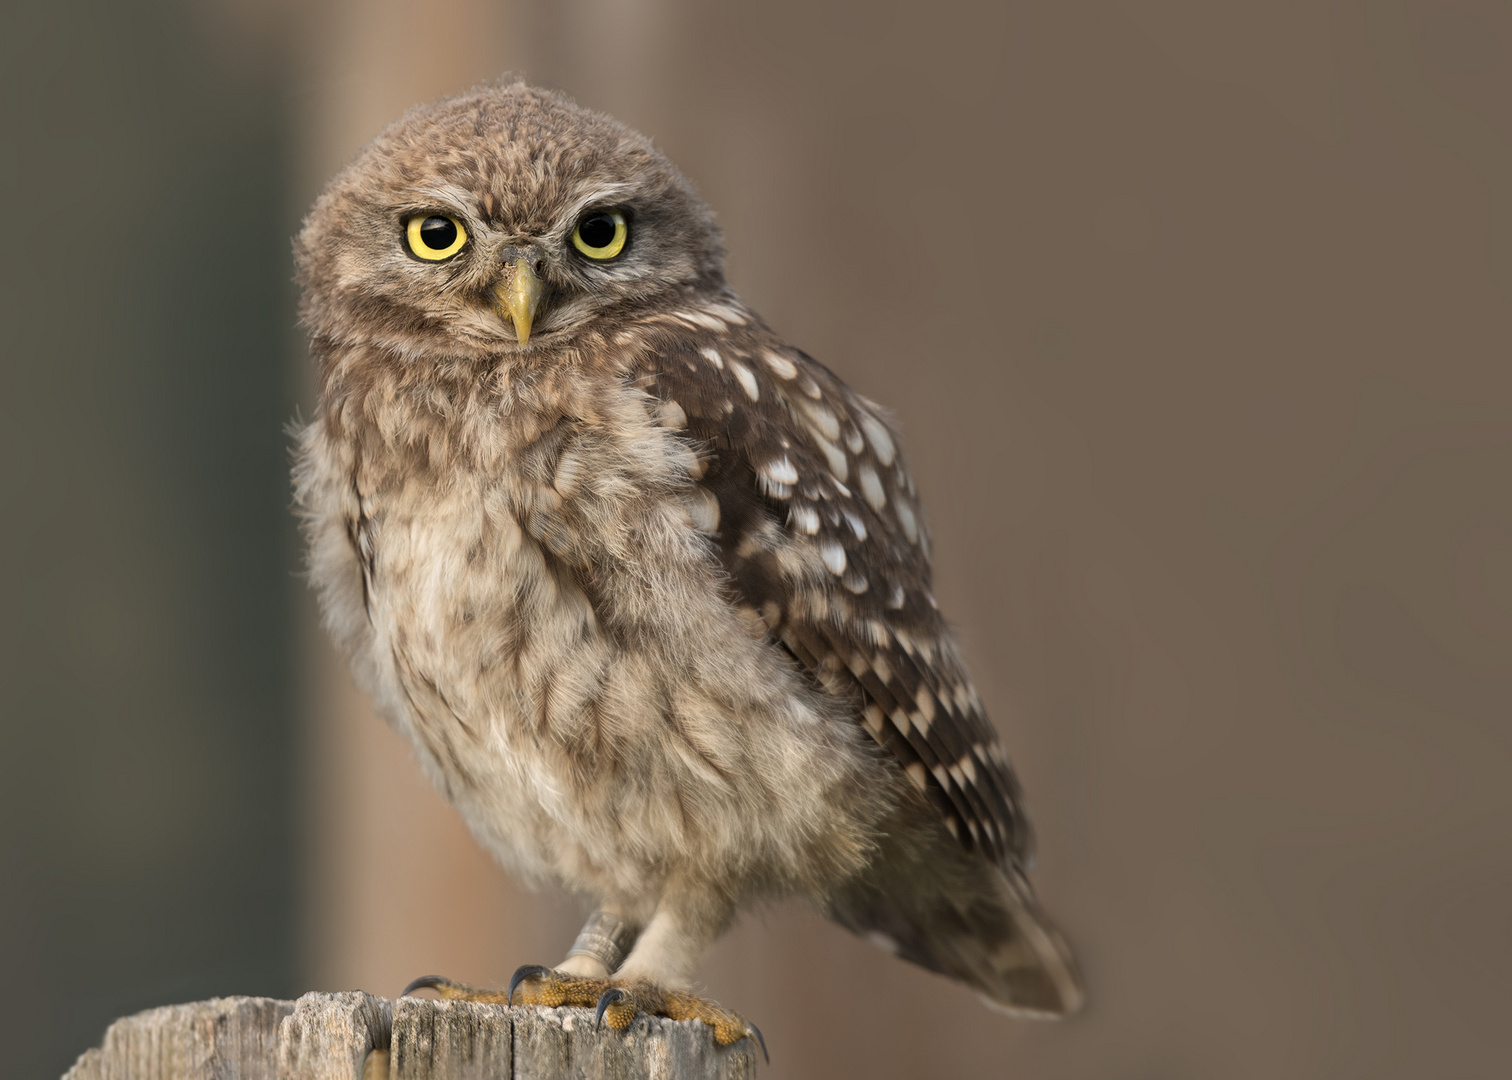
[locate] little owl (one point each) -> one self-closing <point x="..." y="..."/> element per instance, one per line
<point x="647" y="587"/>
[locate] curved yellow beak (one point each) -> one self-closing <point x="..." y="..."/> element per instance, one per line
<point x="519" y="293"/>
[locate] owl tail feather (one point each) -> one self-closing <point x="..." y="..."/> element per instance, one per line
<point x="929" y="900"/>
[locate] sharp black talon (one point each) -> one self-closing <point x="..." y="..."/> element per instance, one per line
<point x="760" y="1041"/>
<point x="523" y="972"/>
<point x="612" y="996"/>
<point x="424" y="982"/>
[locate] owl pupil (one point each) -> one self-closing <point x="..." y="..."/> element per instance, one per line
<point x="438" y="233"/>
<point x="597" y="230"/>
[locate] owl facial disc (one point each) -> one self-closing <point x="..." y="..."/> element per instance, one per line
<point x="519" y="295"/>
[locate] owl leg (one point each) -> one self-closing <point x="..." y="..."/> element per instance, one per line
<point x="601" y="946"/>
<point x="652" y="979"/>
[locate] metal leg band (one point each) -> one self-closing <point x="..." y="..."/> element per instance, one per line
<point x="607" y="938"/>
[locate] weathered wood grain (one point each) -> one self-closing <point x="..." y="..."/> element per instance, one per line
<point x="355" y="1036"/>
<point x="225" y="1037"/>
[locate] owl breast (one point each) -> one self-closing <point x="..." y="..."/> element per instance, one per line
<point x="547" y="625"/>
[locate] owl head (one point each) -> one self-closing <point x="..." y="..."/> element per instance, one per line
<point x="506" y="219"/>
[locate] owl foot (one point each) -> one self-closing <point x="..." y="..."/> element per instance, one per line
<point x="615" y="1001"/>
<point x="456" y="991"/>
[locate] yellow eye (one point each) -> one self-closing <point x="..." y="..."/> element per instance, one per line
<point x="601" y="234"/>
<point x="435" y="237"/>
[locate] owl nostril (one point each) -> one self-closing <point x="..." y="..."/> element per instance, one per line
<point x="540" y="267"/>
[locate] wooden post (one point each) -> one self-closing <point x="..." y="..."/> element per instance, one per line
<point x="355" y="1036"/>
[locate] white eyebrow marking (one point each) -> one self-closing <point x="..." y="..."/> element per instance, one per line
<point x="605" y="196"/>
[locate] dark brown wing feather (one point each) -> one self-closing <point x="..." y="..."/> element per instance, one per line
<point x="820" y="532"/>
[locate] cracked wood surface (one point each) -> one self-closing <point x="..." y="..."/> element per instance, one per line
<point x="355" y="1036"/>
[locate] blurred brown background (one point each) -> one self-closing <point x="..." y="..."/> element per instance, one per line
<point x="1196" y="319"/>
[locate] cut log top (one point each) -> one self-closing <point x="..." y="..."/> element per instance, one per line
<point x="355" y="1036"/>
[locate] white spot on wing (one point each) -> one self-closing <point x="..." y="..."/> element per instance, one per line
<point x="703" y="507"/>
<point x="746" y="379"/>
<point x="853" y="441"/>
<point x="780" y="471"/>
<point x="727" y="313"/>
<point x="881" y="441"/>
<point x="834" y="457"/>
<point x="713" y="357"/>
<point x="695" y="465"/>
<point x="804" y="518"/>
<point x="920" y="778"/>
<point x="699" y="318"/>
<point x="856" y="524"/>
<point x="670" y="415"/>
<point x="855" y="581"/>
<point x="822" y="418"/>
<point x="906" y="519"/>
<point x="833" y="555"/>
<point x="871" y="487"/>
<point x="781" y="366"/>
<point x="926" y="703"/>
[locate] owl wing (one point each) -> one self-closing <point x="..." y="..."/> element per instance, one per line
<point x="819" y="531"/>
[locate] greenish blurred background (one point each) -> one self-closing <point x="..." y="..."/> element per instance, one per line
<point x="147" y="703"/>
<point x="1197" y="320"/>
